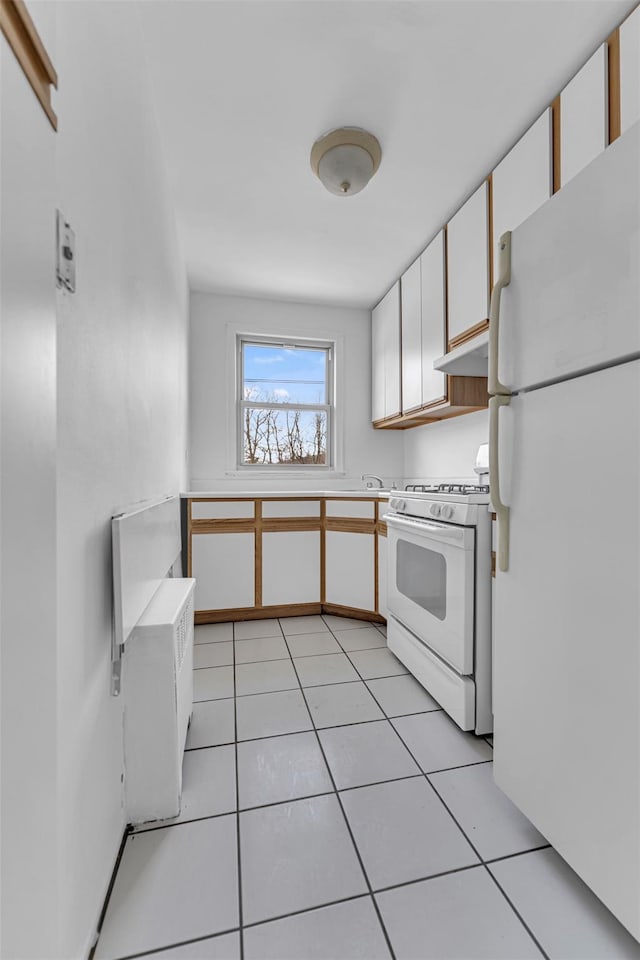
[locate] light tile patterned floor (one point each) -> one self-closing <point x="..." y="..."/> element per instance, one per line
<point x="332" y="811"/>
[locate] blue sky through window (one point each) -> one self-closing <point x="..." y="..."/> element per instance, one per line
<point x="280" y="374"/>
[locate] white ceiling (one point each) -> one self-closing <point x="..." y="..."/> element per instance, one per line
<point x="243" y="88"/>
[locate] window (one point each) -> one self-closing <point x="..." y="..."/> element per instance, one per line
<point x="285" y="403"/>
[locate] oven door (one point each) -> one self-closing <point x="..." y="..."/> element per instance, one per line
<point x="431" y="585"/>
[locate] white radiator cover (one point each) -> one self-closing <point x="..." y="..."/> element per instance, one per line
<point x="158" y="700"/>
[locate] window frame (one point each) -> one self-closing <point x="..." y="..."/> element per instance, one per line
<point x="329" y="408"/>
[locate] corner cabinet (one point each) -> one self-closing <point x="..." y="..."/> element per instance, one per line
<point x="278" y="557"/>
<point x="427" y="395"/>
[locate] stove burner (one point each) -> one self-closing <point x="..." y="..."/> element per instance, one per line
<point x="421" y="488"/>
<point x="463" y="488"/>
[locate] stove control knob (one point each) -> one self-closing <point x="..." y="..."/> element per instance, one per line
<point x="435" y="510"/>
<point x="447" y="512"/>
<point x="401" y="505"/>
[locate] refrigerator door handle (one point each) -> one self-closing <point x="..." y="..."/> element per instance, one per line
<point x="501" y="509"/>
<point x="503" y="280"/>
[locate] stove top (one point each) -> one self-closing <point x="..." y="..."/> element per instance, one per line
<point x="463" y="489"/>
<point x="457" y="503"/>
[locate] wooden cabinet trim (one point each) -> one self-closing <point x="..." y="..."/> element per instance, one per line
<point x="556" y="151"/>
<point x="348" y="525"/>
<point x="258" y="554"/>
<point x="613" y="78"/>
<point x="23" y="38"/>
<point x="290" y="524"/>
<point x="241" y="525"/>
<point x="468" y="334"/>
<point x="465" y="395"/>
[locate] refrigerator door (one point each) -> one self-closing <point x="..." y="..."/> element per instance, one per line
<point x="567" y="626"/>
<point x="573" y="303"/>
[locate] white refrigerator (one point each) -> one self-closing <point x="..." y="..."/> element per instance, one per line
<point x="565" y="481"/>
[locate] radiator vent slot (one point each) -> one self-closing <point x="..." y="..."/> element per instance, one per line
<point x="184" y="633"/>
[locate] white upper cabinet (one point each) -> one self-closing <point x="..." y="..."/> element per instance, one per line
<point x="584" y="116"/>
<point x="524" y="179"/>
<point x="410" y="284"/>
<point x="377" y="364"/>
<point x="432" y="319"/>
<point x="468" y="264"/>
<point x="386" y="356"/>
<point x="630" y="70"/>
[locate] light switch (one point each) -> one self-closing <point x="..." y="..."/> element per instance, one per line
<point x="66" y="254"/>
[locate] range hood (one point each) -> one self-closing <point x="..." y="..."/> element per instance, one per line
<point x="470" y="359"/>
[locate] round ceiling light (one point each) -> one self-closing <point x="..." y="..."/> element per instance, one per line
<point x="345" y="159"/>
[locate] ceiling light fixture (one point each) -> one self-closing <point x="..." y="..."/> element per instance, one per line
<point x="345" y="159"/>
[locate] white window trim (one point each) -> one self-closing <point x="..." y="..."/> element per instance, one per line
<point x="234" y="333"/>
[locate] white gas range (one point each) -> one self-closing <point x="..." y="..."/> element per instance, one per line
<point x="439" y="601"/>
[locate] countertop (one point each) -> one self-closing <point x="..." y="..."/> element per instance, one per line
<point x="287" y="494"/>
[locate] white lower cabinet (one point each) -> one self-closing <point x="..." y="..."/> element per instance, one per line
<point x="291" y="567"/>
<point x="224" y="567"/>
<point x="382" y="576"/>
<point x="350" y="569"/>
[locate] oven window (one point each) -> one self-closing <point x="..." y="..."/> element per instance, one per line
<point x="421" y="575"/>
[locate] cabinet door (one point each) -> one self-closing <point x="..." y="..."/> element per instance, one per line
<point x="382" y="575"/>
<point x="411" y="337"/>
<point x="391" y="351"/>
<point x="468" y="265"/>
<point x="224" y="567"/>
<point x="377" y="363"/>
<point x="350" y="569"/>
<point x="523" y="180"/>
<point x="630" y="70"/>
<point x="291" y="567"/>
<point x="432" y="319"/>
<point x="584" y="116"/>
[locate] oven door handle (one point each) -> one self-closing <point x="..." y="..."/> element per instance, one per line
<point x="442" y="531"/>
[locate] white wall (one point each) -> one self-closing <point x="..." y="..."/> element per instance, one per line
<point x="445" y="450"/>
<point x="122" y="410"/>
<point x="28" y="650"/>
<point x="214" y="321"/>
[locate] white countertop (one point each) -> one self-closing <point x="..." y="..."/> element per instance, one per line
<point x="288" y="494"/>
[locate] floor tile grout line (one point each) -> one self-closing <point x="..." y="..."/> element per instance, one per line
<point x="180" y="943"/>
<point x="112" y="882"/>
<point x="519" y="853"/>
<point x="477" y="852"/>
<point x="331" y="726"/>
<point x="350" y="831"/>
<point x="159" y="825"/>
<point x="237" y="810"/>
<point x="332" y="903"/>
<point x="518" y="914"/>
<point x="309" y="686"/>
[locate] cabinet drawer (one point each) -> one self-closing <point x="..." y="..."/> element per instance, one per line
<point x="290" y="508"/>
<point x="356" y="509"/>
<point x="222" y="509"/>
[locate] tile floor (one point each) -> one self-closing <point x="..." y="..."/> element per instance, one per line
<point x="332" y="811"/>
